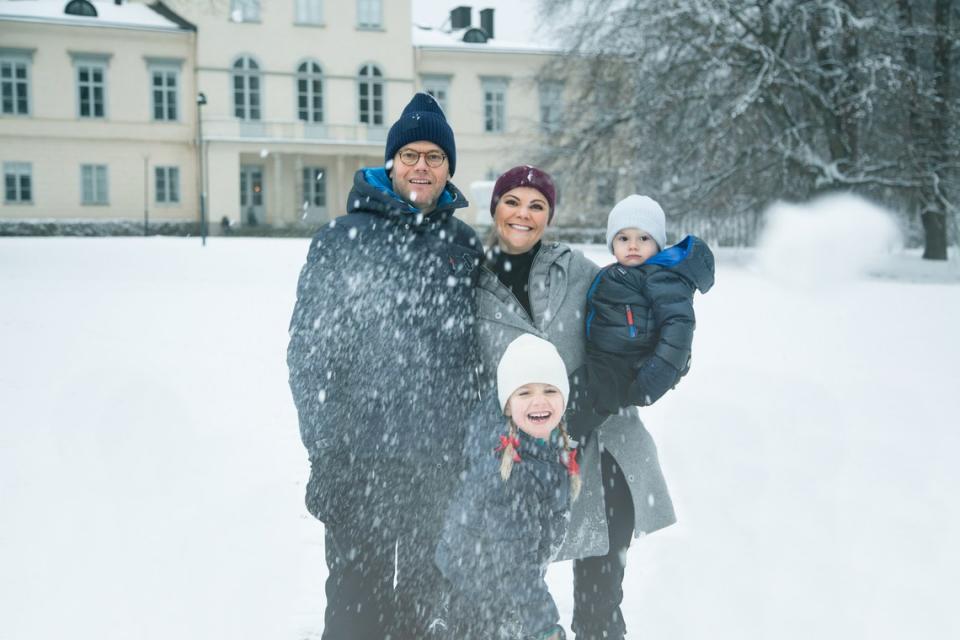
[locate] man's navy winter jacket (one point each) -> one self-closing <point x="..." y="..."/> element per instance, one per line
<point x="382" y="352"/>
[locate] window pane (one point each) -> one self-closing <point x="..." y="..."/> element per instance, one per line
<point x="161" y="184"/>
<point x="86" y="174"/>
<point x="173" y="182"/>
<point x="25" y="195"/>
<point x="10" y="187"/>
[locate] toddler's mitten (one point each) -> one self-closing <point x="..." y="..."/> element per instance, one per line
<point x="654" y="378"/>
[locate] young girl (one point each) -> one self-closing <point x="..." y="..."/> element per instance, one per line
<point x="510" y="514"/>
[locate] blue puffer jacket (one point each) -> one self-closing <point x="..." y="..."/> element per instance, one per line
<point x="382" y="350"/>
<point x="640" y="324"/>
<point x="499" y="536"/>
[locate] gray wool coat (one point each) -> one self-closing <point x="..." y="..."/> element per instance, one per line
<point x="559" y="280"/>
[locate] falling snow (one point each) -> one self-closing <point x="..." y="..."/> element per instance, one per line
<point x="809" y="451"/>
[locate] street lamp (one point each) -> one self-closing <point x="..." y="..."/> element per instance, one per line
<point x="202" y="100"/>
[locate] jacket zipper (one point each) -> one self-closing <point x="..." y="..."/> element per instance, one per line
<point x="633" y="328"/>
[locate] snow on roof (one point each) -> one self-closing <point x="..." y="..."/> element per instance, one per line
<point x="131" y="15"/>
<point x="432" y="38"/>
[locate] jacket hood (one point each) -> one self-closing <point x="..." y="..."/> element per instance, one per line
<point x="691" y="258"/>
<point x="373" y="193"/>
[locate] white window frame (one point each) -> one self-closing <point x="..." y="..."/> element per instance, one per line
<point x="310" y="181"/>
<point x="370" y="77"/>
<point x="308" y="12"/>
<point x="439" y="87"/>
<point x="245" y="10"/>
<point x="18" y="171"/>
<point x="370" y="14"/>
<point x="91" y="62"/>
<point x="11" y="60"/>
<point x="169" y="95"/>
<point x="96" y="177"/>
<point x="247" y="72"/>
<point x="494" y="105"/>
<point x="166" y="184"/>
<point x="551" y="105"/>
<point x="305" y="85"/>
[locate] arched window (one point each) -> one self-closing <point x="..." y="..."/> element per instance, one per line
<point x="246" y="89"/>
<point x="310" y="92"/>
<point x="80" y="8"/>
<point x="370" y="95"/>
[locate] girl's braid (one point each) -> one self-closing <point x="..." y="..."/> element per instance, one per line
<point x="574" y="470"/>
<point x="509" y="452"/>
<point x="509" y="455"/>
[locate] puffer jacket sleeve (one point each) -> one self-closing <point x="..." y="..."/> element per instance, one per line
<point x="314" y="353"/>
<point x="671" y="298"/>
<point x="671" y="301"/>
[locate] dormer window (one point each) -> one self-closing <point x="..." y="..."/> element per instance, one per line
<point x="475" y="35"/>
<point x="80" y="8"/>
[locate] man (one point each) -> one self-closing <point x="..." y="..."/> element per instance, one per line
<point x="382" y="363"/>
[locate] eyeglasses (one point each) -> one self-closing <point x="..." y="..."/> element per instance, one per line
<point x="410" y="157"/>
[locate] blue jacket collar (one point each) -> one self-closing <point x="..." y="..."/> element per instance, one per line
<point x="377" y="177"/>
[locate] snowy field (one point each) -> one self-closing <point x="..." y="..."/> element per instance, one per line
<point x="151" y="474"/>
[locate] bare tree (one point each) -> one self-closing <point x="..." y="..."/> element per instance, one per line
<point x="720" y="107"/>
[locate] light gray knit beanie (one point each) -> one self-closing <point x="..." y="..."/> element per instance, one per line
<point x="530" y="359"/>
<point x="640" y="212"/>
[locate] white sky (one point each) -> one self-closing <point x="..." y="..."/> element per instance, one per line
<point x="513" y="20"/>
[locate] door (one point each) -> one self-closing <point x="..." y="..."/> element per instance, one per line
<point x="251" y="195"/>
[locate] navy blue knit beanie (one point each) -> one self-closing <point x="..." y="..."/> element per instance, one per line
<point x="422" y="119"/>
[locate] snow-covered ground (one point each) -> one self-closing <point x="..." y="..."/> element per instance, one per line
<point x="151" y="474"/>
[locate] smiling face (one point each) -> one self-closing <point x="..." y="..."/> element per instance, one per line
<point x="419" y="183"/>
<point x="521" y="218"/>
<point x="634" y="246"/>
<point x="536" y="409"/>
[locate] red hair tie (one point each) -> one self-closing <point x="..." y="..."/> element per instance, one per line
<point x="572" y="467"/>
<point x="507" y="440"/>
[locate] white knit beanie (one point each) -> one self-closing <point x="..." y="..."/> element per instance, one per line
<point x="530" y="359"/>
<point x="639" y="212"/>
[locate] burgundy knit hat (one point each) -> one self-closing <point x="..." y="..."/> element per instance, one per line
<point x="525" y="176"/>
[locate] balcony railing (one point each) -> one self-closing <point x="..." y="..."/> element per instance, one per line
<point x="295" y="131"/>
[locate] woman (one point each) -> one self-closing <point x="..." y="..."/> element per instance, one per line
<point x="528" y="286"/>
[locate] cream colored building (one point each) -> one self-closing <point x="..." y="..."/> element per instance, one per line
<point x="297" y="95"/>
<point x="96" y="113"/>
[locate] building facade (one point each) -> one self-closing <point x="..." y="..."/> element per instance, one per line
<point x="96" y="113"/>
<point x="261" y="110"/>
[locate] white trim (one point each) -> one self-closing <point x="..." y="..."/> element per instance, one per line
<point x="92" y="22"/>
<point x="8" y="55"/>
<point x="165" y="69"/>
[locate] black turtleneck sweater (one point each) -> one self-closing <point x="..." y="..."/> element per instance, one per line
<point x="514" y="272"/>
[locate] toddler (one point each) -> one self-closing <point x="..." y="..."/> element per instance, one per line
<point x="640" y="317"/>
<point x="509" y="517"/>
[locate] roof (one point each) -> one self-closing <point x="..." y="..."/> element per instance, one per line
<point x="431" y="38"/>
<point x="129" y="15"/>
